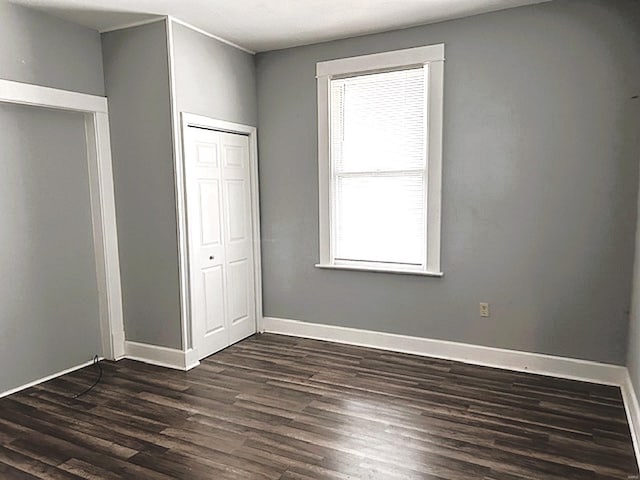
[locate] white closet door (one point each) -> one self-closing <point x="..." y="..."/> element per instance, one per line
<point x="220" y="238"/>
<point x="238" y="241"/>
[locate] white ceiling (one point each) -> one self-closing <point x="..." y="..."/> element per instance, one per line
<point x="260" y="25"/>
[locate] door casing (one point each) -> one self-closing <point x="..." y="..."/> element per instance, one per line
<point x="102" y="197"/>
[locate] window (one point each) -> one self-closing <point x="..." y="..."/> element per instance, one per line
<point x="380" y="155"/>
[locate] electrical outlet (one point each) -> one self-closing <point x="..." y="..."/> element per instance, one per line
<point x="484" y="309"/>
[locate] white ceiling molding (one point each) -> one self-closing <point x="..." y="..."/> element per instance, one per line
<point x="210" y="35"/>
<point x="258" y="26"/>
<point x="133" y="24"/>
<point x="179" y="22"/>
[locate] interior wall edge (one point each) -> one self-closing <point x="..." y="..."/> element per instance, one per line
<point x="179" y="191"/>
<point x="633" y="330"/>
<point x="137" y="84"/>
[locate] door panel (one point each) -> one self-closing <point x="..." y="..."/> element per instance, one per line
<point x="221" y="266"/>
<point x="213" y="288"/>
<point x="236" y="193"/>
<point x="207" y="155"/>
<point x="210" y="212"/>
<point x="238" y="291"/>
<point x="234" y="155"/>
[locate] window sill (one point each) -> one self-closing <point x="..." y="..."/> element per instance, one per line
<point x="380" y="269"/>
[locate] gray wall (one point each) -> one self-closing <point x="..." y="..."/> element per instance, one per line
<point x="137" y="84"/>
<point x="49" y="320"/>
<point x="540" y="183"/>
<point x="213" y="78"/>
<point x="40" y="49"/>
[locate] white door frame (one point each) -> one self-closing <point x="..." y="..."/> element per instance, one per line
<point x="103" y="211"/>
<point x="191" y="119"/>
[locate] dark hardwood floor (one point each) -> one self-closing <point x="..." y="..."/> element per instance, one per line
<point x="275" y="407"/>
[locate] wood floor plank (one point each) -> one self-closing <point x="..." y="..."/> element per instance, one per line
<point x="281" y="408"/>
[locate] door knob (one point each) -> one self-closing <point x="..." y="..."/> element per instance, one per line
<point x="211" y="257"/>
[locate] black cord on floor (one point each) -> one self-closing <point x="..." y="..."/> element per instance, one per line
<point x="96" y="362"/>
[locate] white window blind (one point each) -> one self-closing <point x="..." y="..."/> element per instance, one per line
<point x="379" y="167"/>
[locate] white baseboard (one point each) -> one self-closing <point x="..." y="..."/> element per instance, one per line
<point x="142" y="352"/>
<point x="632" y="409"/>
<point x="550" y="365"/>
<point x="161" y="356"/>
<point x="47" y="378"/>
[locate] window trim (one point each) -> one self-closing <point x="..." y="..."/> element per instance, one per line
<point x="431" y="55"/>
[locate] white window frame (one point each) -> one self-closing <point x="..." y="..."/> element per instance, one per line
<point x="431" y="55"/>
